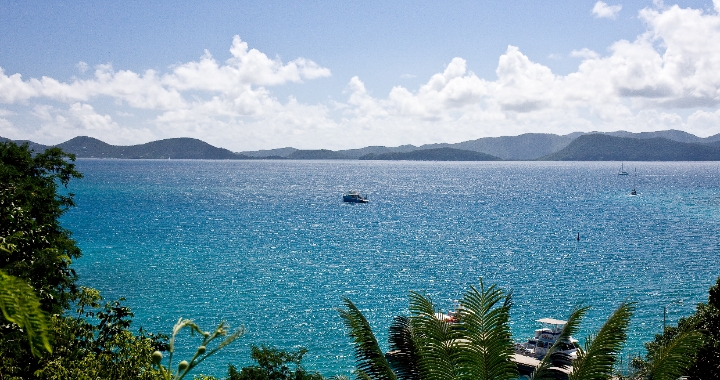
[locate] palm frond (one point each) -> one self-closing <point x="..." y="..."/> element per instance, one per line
<point x="672" y="360"/>
<point x="371" y="362"/>
<point x="436" y="340"/>
<point x="484" y="322"/>
<point x="596" y="361"/>
<point x="21" y="306"/>
<point x="543" y="371"/>
<point x="403" y="357"/>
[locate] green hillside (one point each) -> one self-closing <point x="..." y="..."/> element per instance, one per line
<point x="177" y="148"/>
<point x="600" y="147"/>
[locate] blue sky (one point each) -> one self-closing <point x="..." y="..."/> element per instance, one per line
<point x="259" y="75"/>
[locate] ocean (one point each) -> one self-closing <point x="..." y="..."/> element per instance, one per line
<point x="269" y="245"/>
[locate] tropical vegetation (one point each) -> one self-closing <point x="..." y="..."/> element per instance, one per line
<point x="274" y="364"/>
<point x="477" y="344"/>
<point x="703" y="328"/>
<point x="207" y="337"/>
<point x="52" y="328"/>
<point x="20" y="306"/>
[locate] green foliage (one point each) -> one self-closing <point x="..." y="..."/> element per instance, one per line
<point x="404" y="357"/>
<point x="93" y="342"/>
<point x="597" y="359"/>
<point x="20" y="305"/>
<point x="477" y="346"/>
<point x="544" y="371"/>
<point x="96" y="342"/>
<point x="437" y="341"/>
<point x="37" y="250"/>
<point x="484" y="316"/>
<point x="274" y="364"/>
<point x="696" y="337"/>
<point x="370" y="359"/>
<point x="202" y="353"/>
<point x="30" y="206"/>
<point x="673" y="359"/>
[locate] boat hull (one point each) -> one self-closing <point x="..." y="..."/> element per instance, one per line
<point x="354" y="200"/>
<point x="354" y="197"/>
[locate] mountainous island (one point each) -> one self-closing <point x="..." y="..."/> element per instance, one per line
<point x="597" y="147"/>
<point x="670" y="145"/>
<point x="180" y="148"/>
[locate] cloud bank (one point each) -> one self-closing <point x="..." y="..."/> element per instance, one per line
<point x="668" y="77"/>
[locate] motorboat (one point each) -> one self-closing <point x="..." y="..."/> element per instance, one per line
<point x="354" y="197"/>
<point x="539" y="345"/>
<point x="528" y="355"/>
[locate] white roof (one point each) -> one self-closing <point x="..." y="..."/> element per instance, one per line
<point x="551" y="321"/>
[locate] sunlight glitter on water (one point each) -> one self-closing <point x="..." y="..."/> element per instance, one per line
<point x="270" y="245"/>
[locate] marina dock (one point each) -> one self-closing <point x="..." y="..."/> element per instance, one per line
<point x="526" y="365"/>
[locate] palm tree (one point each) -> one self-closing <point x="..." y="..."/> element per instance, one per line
<point x="371" y="363"/>
<point x="597" y="359"/>
<point x="478" y="346"/>
<point x="20" y="305"/>
<point x="403" y="356"/>
<point x="673" y="359"/>
<point x="554" y="358"/>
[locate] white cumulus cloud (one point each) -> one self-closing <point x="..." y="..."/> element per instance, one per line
<point x="453" y="88"/>
<point x="246" y="67"/>
<point x="666" y="77"/>
<point x="639" y="85"/>
<point x="87" y="118"/>
<point x="603" y="10"/>
<point x="201" y="92"/>
<point x="584" y="53"/>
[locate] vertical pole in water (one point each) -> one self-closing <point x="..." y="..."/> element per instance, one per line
<point x="664" y="318"/>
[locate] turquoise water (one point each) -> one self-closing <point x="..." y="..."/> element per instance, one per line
<point x="269" y="244"/>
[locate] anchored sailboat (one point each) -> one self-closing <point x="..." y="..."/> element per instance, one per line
<point x="622" y="170"/>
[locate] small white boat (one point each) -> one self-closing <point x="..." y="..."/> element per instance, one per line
<point x="538" y="346"/>
<point x="622" y="170"/>
<point x="354" y="197"/>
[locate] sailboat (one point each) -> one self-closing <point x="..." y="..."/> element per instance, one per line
<point x="622" y="170"/>
<point x="634" y="192"/>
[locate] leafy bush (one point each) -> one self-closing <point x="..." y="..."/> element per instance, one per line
<point x="274" y="364"/>
<point x="705" y="322"/>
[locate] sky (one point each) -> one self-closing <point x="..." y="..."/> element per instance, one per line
<point x="250" y="75"/>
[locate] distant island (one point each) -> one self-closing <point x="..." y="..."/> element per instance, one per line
<point x="597" y="147"/>
<point x="670" y="145"/>
<point x="435" y="154"/>
<point x="180" y="148"/>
